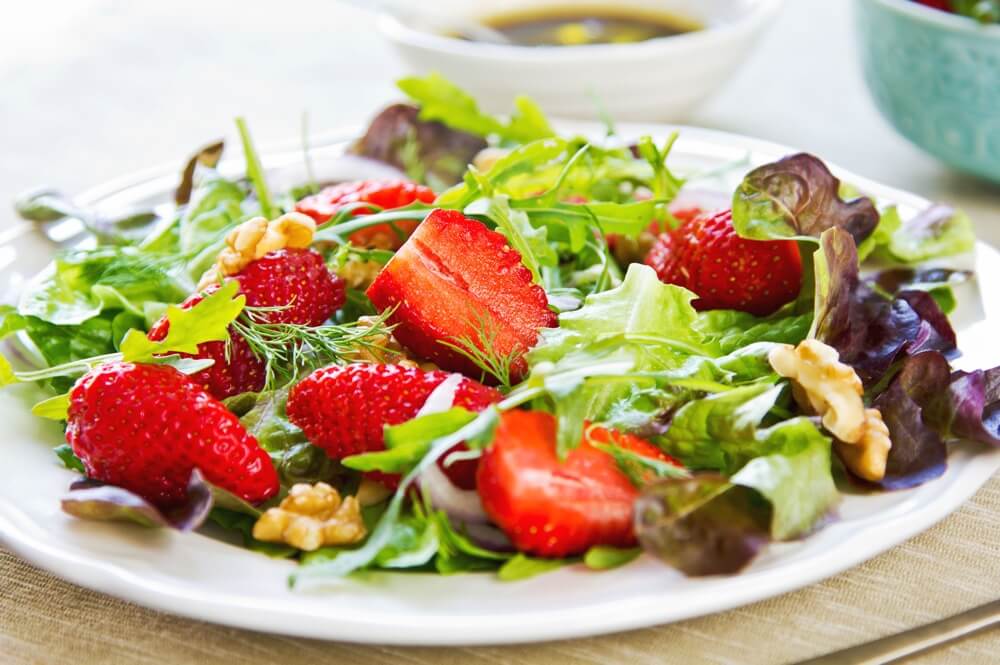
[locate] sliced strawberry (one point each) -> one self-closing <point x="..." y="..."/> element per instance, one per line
<point x="454" y="280"/>
<point x="147" y="427"/>
<point x="725" y="270"/>
<point x="553" y="508"/>
<point x="343" y="409"/>
<point x="386" y="194"/>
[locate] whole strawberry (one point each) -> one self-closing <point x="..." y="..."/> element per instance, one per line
<point x="147" y="427"/>
<point x="343" y="409"/>
<point x="386" y="194"/>
<point x="296" y="280"/>
<point x="234" y="371"/>
<point x="555" y="508"/>
<point x="726" y="271"/>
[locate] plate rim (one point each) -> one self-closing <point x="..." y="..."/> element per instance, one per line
<point x="532" y="626"/>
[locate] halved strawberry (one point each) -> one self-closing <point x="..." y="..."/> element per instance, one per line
<point x="386" y="194"/>
<point x="454" y="280"/>
<point x="343" y="409"/>
<point x="553" y="508"/>
<point x="725" y="270"/>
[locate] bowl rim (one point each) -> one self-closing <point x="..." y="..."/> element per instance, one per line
<point x="396" y="31"/>
<point x="954" y="22"/>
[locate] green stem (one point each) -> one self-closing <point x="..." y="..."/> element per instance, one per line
<point x="255" y="172"/>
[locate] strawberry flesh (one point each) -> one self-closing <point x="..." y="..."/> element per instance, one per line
<point x="343" y="409"/>
<point x="553" y="508"/>
<point x="726" y="271"/>
<point x="455" y="279"/>
<point x="147" y="427"/>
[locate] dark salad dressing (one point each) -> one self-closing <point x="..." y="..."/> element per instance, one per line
<point x="571" y="26"/>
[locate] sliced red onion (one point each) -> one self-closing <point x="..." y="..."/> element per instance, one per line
<point x="489" y="537"/>
<point x="461" y="505"/>
<point x="442" y="397"/>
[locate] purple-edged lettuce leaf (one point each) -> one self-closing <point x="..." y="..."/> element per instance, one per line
<point x="938" y="282"/>
<point x="869" y="330"/>
<point x="702" y="525"/>
<point x="798" y="197"/>
<point x="92" y="500"/>
<point x="426" y="150"/>
<point x="710" y="524"/>
<point x="925" y="406"/>
<point x="939" y="230"/>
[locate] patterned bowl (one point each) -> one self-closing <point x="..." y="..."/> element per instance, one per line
<point x="936" y="77"/>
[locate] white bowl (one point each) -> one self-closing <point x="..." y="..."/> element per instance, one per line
<point x="659" y="79"/>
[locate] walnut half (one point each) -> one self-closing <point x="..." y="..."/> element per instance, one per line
<point x="310" y="517"/>
<point x="256" y="237"/>
<point x="823" y="385"/>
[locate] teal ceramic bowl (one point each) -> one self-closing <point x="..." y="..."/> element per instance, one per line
<point x="936" y="77"/>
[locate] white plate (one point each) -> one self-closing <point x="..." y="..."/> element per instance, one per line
<point x="201" y="577"/>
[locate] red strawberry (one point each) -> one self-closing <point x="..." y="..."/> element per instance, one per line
<point x="455" y="279"/>
<point x="147" y="427"/>
<point x="342" y="409"/>
<point x="726" y="271"/>
<point x="238" y="372"/>
<point x="551" y="508"/>
<point x="296" y="279"/>
<point x="942" y="5"/>
<point x="386" y="194"/>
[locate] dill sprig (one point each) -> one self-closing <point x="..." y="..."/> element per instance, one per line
<point x="287" y="349"/>
<point x="482" y="352"/>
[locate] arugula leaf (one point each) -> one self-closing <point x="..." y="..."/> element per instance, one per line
<point x="641" y="470"/>
<point x="68" y="458"/>
<point x="522" y="567"/>
<point x="440" y="99"/>
<point x="54" y="408"/>
<point x="207" y="321"/>
<point x="408" y="443"/>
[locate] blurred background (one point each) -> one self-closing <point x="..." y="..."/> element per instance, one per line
<point x="93" y="89"/>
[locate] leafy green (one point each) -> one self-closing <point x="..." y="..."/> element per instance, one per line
<point x="406" y="444"/>
<point x="206" y="321"/>
<point x="242" y="524"/>
<point x="440" y="99"/>
<point x="605" y="557"/>
<point x="875" y="245"/>
<point x="530" y="242"/>
<point x="54" y="408"/>
<point x="522" y="567"/>
<point x="937" y="231"/>
<point x="797" y="197"/>
<point x="83" y="283"/>
<point x="68" y="458"/>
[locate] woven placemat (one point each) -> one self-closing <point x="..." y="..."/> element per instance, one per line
<point x="951" y="567"/>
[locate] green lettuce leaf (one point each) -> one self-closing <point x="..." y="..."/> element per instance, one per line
<point x="937" y="231"/>
<point x="522" y="567"/>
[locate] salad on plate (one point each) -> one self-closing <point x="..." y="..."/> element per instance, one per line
<point x="524" y="351"/>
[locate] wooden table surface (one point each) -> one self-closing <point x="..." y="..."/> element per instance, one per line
<point x="93" y="89"/>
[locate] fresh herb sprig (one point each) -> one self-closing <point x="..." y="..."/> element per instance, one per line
<point x="289" y="348"/>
